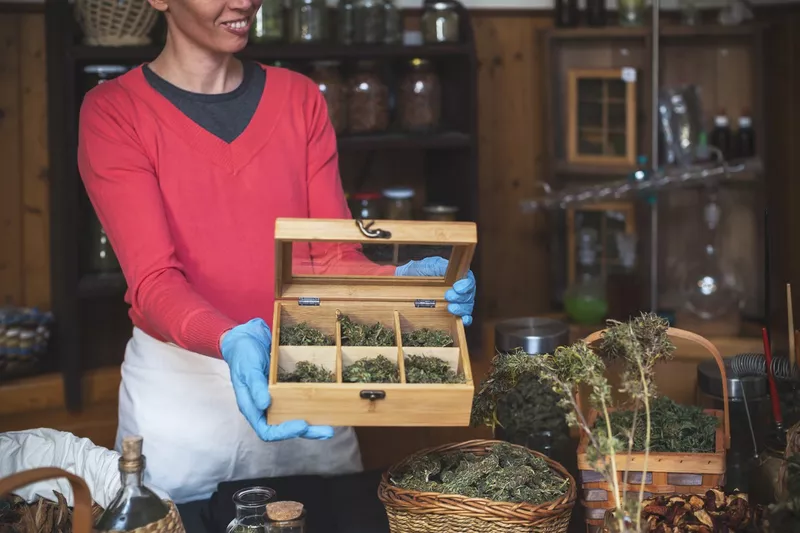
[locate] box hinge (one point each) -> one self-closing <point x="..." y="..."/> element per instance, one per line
<point x="424" y="303"/>
<point x="308" y="301"/>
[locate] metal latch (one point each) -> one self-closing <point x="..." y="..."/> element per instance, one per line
<point x="427" y="304"/>
<point x="308" y="301"/>
<point x="372" y="395"/>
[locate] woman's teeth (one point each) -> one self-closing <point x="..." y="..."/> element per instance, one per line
<point x="237" y="25"/>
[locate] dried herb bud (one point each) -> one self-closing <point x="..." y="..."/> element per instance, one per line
<point x="427" y="338"/>
<point x="304" y="335"/>
<point x="371" y="370"/>
<point x="306" y="372"/>
<point x="355" y="334"/>
<point x="428" y="369"/>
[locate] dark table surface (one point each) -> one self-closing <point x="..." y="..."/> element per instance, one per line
<point x="340" y="504"/>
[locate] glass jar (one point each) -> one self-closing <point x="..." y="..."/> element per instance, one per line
<point x="346" y="21"/>
<point x="399" y="203"/>
<point x="440" y="23"/>
<point x="631" y="12"/>
<point x="370" y="21"/>
<point x="326" y="75"/>
<point x="97" y="74"/>
<point x="440" y="213"/>
<point x="420" y="97"/>
<point x="251" y="507"/>
<point x="101" y="257"/>
<point x="285" y="517"/>
<point x="267" y="25"/>
<point x="308" y="21"/>
<point x="393" y="23"/>
<point x="368" y="100"/>
<point x="366" y="205"/>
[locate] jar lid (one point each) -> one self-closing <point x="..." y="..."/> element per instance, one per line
<point x="535" y="335"/>
<point x="284" y="511"/>
<point x="105" y="69"/>
<point x="440" y="209"/>
<point x="399" y="193"/>
<point x="366" y="196"/>
<point x="443" y="6"/>
<point x="709" y="381"/>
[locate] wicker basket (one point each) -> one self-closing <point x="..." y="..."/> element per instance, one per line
<point x="425" y="512"/>
<point x="115" y="22"/>
<point x="82" y="514"/>
<point x="667" y="473"/>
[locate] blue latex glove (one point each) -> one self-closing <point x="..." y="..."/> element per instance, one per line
<point x="246" y="350"/>
<point x="460" y="298"/>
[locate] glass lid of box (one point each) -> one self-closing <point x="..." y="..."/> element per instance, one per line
<point x="370" y="260"/>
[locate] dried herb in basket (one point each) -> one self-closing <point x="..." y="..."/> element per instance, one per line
<point x="507" y="474"/>
<point x="303" y="334"/>
<point x="427" y="338"/>
<point x="40" y="516"/>
<point x="355" y="334"/>
<point x="307" y="372"/>
<point x="429" y="369"/>
<point x="681" y="428"/>
<point x="371" y="370"/>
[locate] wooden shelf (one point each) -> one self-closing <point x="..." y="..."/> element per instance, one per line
<point x="101" y="285"/>
<point x="282" y="51"/>
<point x="442" y="140"/>
<point x="673" y="30"/>
<point x="573" y="169"/>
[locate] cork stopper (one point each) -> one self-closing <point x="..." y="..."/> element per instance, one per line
<point x="283" y="511"/>
<point x="132" y="448"/>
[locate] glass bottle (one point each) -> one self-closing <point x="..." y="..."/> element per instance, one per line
<point x="285" y="517"/>
<point x="419" y="100"/>
<point x="251" y="507"/>
<point x="368" y="100"/>
<point x="631" y="12"/>
<point x="326" y="75"/>
<point x="134" y="506"/>
<point x="370" y="21"/>
<point x="393" y="33"/>
<point x="267" y="25"/>
<point x="440" y="23"/>
<point x="308" y="21"/>
<point x="399" y="203"/>
<point x="346" y="21"/>
<point x="585" y="300"/>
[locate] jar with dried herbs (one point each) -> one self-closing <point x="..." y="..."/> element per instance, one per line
<point x="370" y="21"/>
<point x="368" y="102"/>
<point x="267" y="25"/>
<point x="440" y="23"/>
<point x="345" y="15"/>
<point x="326" y="75"/>
<point x="393" y="23"/>
<point x="308" y="21"/>
<point x="420" y="97"/>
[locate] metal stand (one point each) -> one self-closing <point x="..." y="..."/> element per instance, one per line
<point x="655" y="33"/>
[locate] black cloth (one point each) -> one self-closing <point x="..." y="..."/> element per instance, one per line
<point x="340" y="504"/>
<point x="224" y="115"/>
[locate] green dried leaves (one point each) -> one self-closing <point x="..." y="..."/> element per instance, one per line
<point x="355" y="334"/>
<point x="304" y="335"/>
<point x="507" y="474"/>
<point x="427" y="338"/>
<point x="531" y="408"/>
<point x="428" y="369"/>
<point x="371" y="370"/>
<point x="306" y="372"/>
<point x="674" y="427"/>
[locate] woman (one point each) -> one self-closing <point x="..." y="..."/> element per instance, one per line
<point x="188" y="160"/>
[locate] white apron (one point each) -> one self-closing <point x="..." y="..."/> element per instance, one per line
<point x="184" y="407"/>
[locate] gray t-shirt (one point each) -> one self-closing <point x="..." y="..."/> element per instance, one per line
<point x="224" y="115"/>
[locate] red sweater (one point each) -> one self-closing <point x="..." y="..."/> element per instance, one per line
<point x="191" y="218"/>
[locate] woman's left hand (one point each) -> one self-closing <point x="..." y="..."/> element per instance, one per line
<point x="460" y="298"/>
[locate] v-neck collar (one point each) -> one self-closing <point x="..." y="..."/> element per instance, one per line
<point x="230" y="156"/>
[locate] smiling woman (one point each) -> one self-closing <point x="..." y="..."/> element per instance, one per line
<point x="188" y="161"/>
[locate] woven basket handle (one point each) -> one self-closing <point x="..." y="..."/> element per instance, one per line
<point x="705" y="343"/>
<point x="82" y="498"/>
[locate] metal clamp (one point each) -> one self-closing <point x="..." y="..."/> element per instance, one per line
<point x="377" y="233"/>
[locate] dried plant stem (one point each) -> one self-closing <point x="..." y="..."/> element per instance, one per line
<point x="646" y="393"/>
<point x="613" y="457"/>
<point x="630" y="448"/>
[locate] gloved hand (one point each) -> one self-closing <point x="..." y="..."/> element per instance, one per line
<point x="246" y="350"/>
<point x="460" y="298"/>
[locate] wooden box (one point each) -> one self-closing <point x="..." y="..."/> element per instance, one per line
<point x="326" y="269"/>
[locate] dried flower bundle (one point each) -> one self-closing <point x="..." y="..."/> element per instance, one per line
<point x="307" y="372"/>
<point x="371" y="370"/>
<point x="429" y="369"/>
<point x="303" y="334"/>
<point x="427" y="338"/>
<point x="506" y="474"/>
<point x="40" y="516"/>
<point x="355" y="334"/>
<point x="709" y="513"/>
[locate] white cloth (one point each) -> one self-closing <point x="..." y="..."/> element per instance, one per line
<point x="42" y="447"/>
<point x="184" y="407"/>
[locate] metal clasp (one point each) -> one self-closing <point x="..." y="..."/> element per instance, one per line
<point x="377" y="233"/>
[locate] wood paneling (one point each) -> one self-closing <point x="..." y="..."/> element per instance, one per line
<point x="24" y="231"/>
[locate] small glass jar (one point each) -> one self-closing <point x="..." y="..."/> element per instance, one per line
<point x="285" y="517"/>
<point x="420" y="98"/>
<point x="251" y="507"/>
<point x="440" y="23"/>
<point x="268" y="23"/>
<point x="399" y="203"/>
<point x="326" y="75"/>
<point x="370" y="21"/>
<point x="366" y="205"/>
<point x="346" y="28"/>
<point x="308" y="21"/>
<point x="368" y="100"/>
<point x="440" y="213"/>
<point x="97" y="74"/>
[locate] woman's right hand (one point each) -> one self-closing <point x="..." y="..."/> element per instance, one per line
<point x="246" y="350"/>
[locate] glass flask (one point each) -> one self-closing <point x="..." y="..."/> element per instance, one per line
<point x="135" y="506"/>
<point x="251" y="508"/>
<point x="711" y="289"/>
<point x="585" y="300"/>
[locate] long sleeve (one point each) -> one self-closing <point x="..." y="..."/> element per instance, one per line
<point x="121" y="183"/>
<point x="326" y="198"/>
